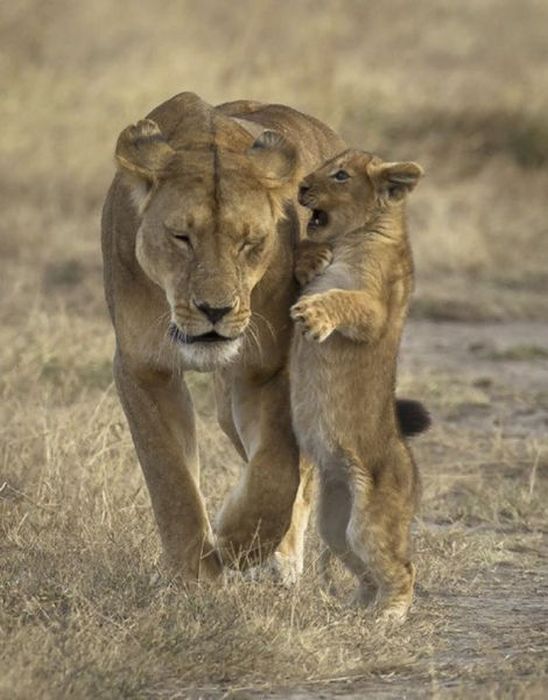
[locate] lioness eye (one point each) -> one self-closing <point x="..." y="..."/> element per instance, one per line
<point x="251" y="245"/>
<point x="341" y="175"/>
<point x="181" y="237"/>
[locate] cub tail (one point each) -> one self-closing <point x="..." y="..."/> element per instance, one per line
<point x="412" y="416"/>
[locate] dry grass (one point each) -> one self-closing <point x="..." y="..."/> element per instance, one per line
<point x="85" y="610"/>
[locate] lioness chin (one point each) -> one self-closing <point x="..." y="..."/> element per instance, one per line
<point x="343" y="369"/>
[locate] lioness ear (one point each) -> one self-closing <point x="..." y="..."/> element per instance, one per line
<point x="142" y="152"/>
<point x="396" y="179"/>
<point x="274" y="158"/>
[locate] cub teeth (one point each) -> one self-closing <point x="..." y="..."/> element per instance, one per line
<point x="318" y="218"/>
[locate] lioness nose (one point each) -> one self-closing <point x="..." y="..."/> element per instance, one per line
<point x="214" y="313"/>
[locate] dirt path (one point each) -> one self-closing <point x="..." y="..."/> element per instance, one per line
<point x="508" y="360"/>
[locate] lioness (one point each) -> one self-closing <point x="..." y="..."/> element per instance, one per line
<point x="343" y="370"/>
<point x="199" y="228"/>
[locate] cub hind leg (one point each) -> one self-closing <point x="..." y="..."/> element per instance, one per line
<point x="379" y="534"/>
<point x="334" y="511"/>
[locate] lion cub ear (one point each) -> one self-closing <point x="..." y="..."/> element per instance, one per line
<point x="396" y="180"/>
<point x="142" y="153"/>
<point x="274" y="159"/>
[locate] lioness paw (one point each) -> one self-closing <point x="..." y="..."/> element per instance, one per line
<point x="312" y="317"/>
<point x="312" y="261"/>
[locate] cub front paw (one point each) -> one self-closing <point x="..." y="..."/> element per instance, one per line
<point x="312" y="318"/>
<point x="311" y="261"/>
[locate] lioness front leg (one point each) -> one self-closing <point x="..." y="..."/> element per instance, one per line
<point x="289" y="557"/>
<point x="287" y="562"/>
<point x="257" y="513"/>
<point x="357" y="315"/>
<point x="161" y="418"/>
<point x="311" y="259"/>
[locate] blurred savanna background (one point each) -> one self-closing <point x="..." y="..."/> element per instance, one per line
<point x="85" y="607"/>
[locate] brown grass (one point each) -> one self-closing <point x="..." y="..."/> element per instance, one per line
<point x="85" y="609"/>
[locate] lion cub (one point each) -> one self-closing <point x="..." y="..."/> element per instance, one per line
<point x="357" y="272"/>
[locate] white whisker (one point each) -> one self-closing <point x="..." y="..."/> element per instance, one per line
<point x="267" y="323"/>
<point x="254" y="338"/>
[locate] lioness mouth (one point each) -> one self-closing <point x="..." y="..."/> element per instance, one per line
<point x="318" y="218"/>
<point x="211" y="337"/>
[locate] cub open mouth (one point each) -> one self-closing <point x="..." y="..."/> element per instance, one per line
<point x="211" y="337"/>
<point x="318" y="218"/>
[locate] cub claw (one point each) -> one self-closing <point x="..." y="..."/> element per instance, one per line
<point x="312" y="318"/>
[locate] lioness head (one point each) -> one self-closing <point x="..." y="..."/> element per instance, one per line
<point x="352" y="189"/>
<point x="207" y="230"/>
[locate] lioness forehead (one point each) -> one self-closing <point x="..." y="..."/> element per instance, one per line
<point x="202" y="190"/>
<point x="209" y="167"/>
<point x="198" y="209"/>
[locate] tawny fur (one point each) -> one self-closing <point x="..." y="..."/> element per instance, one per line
<point x="358" y="274"/>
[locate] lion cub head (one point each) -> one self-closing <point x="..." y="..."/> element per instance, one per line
<point x="351" y="190"/>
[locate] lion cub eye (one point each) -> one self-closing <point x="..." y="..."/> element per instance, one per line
<point x="341" y="176"/>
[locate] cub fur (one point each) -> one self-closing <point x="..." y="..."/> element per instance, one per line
<point x="358" y="270"/>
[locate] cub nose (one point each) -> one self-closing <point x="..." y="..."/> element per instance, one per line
<point x="213" y="313"/>
<point x="303" y="189"/>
